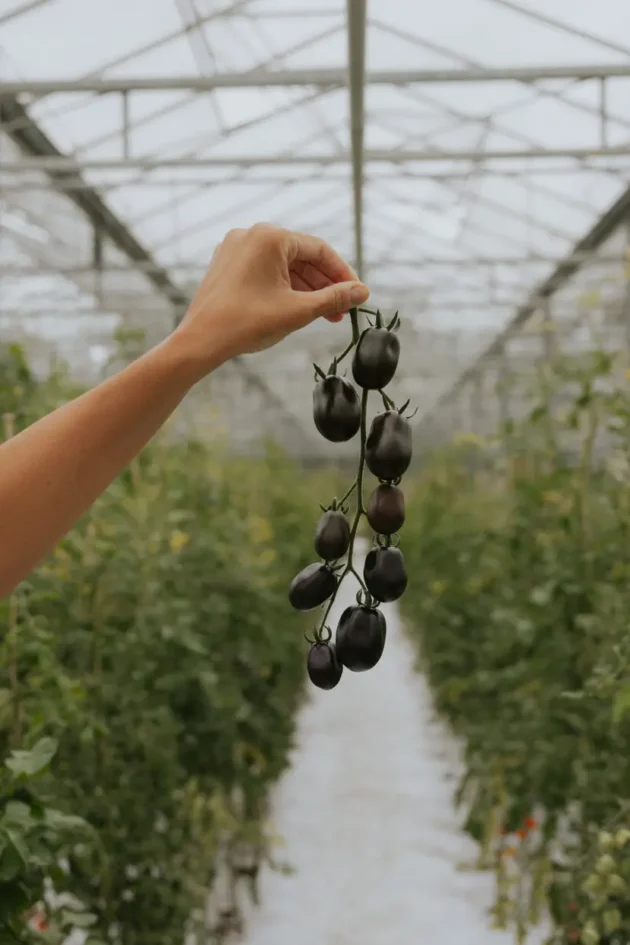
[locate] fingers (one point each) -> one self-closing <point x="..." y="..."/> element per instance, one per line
<point x="314" y="277"/>
<point x="302" y="248"/>
<point x="301" y="285"/>
<point x="332" y="301"/>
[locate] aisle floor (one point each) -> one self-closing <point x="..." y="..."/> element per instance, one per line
<point x="368" y="824"/>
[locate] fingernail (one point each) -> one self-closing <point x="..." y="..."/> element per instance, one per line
<point x="359" y="292"/>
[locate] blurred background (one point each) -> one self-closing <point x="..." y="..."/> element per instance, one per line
<point x="471" y="163"/>
<point x="471" y="160"/>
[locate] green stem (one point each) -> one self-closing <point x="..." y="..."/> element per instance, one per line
<point x="356" y="331"/>
<point x="346" y="351"/>
<point x="349" y="492"/>
<point x="358" y="484"/>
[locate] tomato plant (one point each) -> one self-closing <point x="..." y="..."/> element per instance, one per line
<point x="522" y="628"/>
<point x="153" y="650"/>
<point x="339" y="414"/>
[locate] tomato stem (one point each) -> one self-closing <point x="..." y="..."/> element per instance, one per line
<point x="348" y="493"/>
<point x="354" y="318"/>
<point x="358" y="485"/>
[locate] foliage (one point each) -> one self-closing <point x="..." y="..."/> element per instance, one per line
<point x="521" y="617"/>
<point x="149" y="676"/>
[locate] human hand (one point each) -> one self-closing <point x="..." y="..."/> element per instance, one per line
<point x="262" y="284"/>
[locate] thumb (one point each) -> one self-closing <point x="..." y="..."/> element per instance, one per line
<point x="334" y="299"/>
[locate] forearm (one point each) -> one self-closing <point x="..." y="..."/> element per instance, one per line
<point x="52" y="472"/>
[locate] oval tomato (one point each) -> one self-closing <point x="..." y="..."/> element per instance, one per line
<point x="312" y="586"/>
<point x="388" y="448"/>
<point x="324" y="669"/>
<point x="332" y="537"/>
<point x="336" y="409"/>
<point x="375" y="358"/>
<point x="360" y="638"/>
<point x="384" y="574"/>
<point x="386" y="509"/>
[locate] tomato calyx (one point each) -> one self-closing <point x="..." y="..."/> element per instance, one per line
<point x="320" y="635"/>
<point x="389" y="405"/>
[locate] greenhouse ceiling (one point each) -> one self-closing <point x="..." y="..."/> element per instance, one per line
<point x="456" y="155"/>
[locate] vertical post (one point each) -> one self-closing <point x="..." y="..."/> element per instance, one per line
<point x="502" y="385"/>
<point x="356" y="14"/>
<point x="97" y="261"/>
<point x="547" y="330"/>
<point x="125" y="125"/>
<point x="603" y="113"/>
<point x="626" y="297"/>
<point x="475" y="421"/>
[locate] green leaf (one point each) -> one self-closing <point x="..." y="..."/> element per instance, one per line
<point x="621" y="704"/>
<point x="18" y="813"/>
<point x="14" y="857"/>
<point x="80" y="920"/>
<point x="62" y="822"/>
<point x="14" y="899"/>
<point x="29" y="763"/>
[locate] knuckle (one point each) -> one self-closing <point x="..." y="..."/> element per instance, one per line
<point x="264" y="229"/>
<point x="339" y="299"/>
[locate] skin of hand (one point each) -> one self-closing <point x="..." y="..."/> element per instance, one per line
<point x="262" y="284"/>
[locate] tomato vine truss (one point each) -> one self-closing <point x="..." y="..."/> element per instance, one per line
<point x="486" y="196"/>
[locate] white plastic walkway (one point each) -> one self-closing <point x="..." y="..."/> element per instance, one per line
<point x="366" y="815"/>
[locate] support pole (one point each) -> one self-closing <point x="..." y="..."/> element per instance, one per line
<point x="356" y="10"/>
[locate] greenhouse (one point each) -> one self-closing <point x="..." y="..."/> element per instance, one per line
<point x="196" y="749"/>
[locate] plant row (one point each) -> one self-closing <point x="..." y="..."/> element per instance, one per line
<point x="522" y="543"/>
<point x="149" y="679"/>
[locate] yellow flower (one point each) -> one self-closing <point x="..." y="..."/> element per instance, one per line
<point x="178" y="540"/>
<point x="554" y="498"/>
<point x="268" y="557"/>
<point x="260" y="530"/>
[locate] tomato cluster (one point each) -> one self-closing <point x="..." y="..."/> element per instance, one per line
<point x="340" y="412"/>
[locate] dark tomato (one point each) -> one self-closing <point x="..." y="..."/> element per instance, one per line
<point x="336" y="409"/>
<point x="388" y="448"/>
<point x="375" y="358"/>
<point x="312" y="586"/>
<point x="324" y="670"/>
<point x="384" y="574"/>
<point x="386" y="509"/>
<point x="332" y="537"/>
<point x="360" y="638"/>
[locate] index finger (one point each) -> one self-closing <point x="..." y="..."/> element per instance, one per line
<point x="310" y="249"/>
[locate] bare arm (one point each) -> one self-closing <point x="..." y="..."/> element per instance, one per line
<point x="261" y="285"/>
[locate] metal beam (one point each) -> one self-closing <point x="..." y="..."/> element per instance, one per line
<point x="356" y="12"/>
<point x="21" y="10"/>
<point x="615" y="217"/>
<point x="564" y="27"/>
<point x="401" y="173"/>
<point x="419" y="262"/>
<point x="319" y="77"/>
<point x="33" y="141"/>
<point x="67" y="165"/>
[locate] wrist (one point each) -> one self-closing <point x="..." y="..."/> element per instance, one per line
<point x="192" y="358"/>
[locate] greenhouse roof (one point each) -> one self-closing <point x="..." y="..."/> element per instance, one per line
<point x="455" y="154"/>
